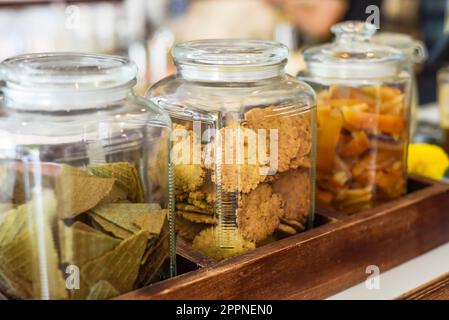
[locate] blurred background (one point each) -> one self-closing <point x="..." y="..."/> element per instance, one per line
<point x="146" y="30"/>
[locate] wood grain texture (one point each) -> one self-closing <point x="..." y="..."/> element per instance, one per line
<point x="437" y="289"/>
<point x="325" y="260"/>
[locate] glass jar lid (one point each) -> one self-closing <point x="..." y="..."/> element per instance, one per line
<point x="229" y="59"/>
<point x="230" y="52"/>
<point x="68" y="70"/>
<point x="353" y="55"/>
<point x="65" y="80"/>
<point x="415" y="50"/>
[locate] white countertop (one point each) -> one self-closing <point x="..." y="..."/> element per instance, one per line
<point x="404" y="278"/>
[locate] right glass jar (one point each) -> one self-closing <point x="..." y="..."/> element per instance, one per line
<point x="363" y="101"/>
<point x="415" y="53"/>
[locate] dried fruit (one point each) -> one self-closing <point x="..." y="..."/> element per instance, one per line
<point x="361" y="138"/>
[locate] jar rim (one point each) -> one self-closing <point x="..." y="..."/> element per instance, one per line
<point x="67" y="70"/>
<point x="230" y="53"/>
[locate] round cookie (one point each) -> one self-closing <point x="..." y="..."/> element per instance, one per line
<point x="289" y="135"/>
<point x="206" y="242"/>
<point x="294" y="188"/>
<point x="259" y="213"/>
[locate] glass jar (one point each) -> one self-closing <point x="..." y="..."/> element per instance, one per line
<point x="416" y="53"/>
<point x="443" y="104"/>
<point x="363" y="93"/>
<point x="84" y="180"/>
<point x="244" y="141"/>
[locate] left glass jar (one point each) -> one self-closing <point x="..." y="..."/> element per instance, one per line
<point x="85" y="180"/>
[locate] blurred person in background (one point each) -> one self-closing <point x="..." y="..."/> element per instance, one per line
<point x="206" y="19"/>
<point x="244" y="19"/>
<point x="292" y="22"/>
<point x="258" y="18"/>
<point x="434" y="29"/>
<point x="427" y="21"/>
<point x="314" y="18"/>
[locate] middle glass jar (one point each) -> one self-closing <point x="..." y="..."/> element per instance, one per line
<point x="363" y="92"/>
<point x="244" y="145"/>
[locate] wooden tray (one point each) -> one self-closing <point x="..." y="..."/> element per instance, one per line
<point x="320" y="262"/>
<point x="437" y="289"/>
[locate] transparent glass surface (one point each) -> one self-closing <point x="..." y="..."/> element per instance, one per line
<point x="244" y="145"/>
<point x="362" y="144"/>
<point x="352" y="55"/>
<point x="363" y="121"/>
<point x="416" y="53"/>
<point x="443" y="97"/>
<point x="443" y="104"/>
<point x="85" y="188"/>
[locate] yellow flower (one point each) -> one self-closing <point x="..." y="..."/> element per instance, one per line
<point x="427" y="160"/>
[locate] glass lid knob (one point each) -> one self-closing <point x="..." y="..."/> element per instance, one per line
<point x="353" y="31"/>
